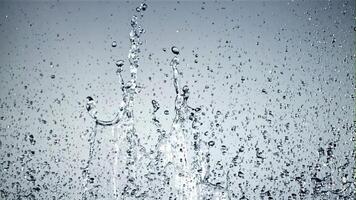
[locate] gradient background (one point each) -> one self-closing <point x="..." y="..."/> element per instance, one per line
<point x="55" y="54"/>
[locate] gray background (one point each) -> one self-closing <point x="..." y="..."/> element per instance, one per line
<point x="300" y="52"/>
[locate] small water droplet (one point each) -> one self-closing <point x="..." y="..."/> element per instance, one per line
<point x="91" y="180"/>
<point x="155" y="105"/>
<point x="114" y="44"/>
<point x="185" y="89"/>
<point x="211" y="143"/>
<point x="175" y="50"/>
<point x="90" y="106"/>
<point x="89" y="98"/>
<point x="119" y="63"/>
<point x="197" y="109"/>
<point x="32" y="139"/>
<point x="166" y="112"/>
<point x="143" y="6"/>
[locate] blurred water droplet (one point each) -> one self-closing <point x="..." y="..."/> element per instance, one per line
<point x="155" y="105"/>
<point x="114" y="44"/>
<point x="175" y="50"/>
<point x="143" y="6"/>
<point x="91" y="107"/>
<point x="119" y="63"/>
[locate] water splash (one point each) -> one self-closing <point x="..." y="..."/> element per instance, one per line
<point x="179" y="167"/>
<point x="124" y="116"/>
<point x="177" y="174"/>
<point x="288" y="134"/>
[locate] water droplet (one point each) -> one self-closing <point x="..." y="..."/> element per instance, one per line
<point x="211" y="143"/>
<point x="114" y="44"/>
<point x="91" y="107"/>
<point x="119" y="63"/>
<point x="143" y="6"/>
<point x="175" y="50"/>
<point x="133" y="24"/>
<point x="91" y="180"/>
<point x="185" y="88"/>
<point x="155" y="105"/>
<point x="89" y="98"/>
<point x="32" y="139"/>
<point x="166" y="112"/>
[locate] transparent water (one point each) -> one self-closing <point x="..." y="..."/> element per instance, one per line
<point x="215" y="100"/>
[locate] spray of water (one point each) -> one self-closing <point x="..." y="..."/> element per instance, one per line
<point x="124" y="117"/>
<point x="177" y="162"/>
<point x="178" y="167"/>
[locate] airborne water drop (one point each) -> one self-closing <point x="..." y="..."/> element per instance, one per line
<point x="114" y="44"/>
<point x="175" y="50"/>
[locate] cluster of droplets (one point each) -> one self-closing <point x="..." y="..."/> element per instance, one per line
<point x="142" y="7"/>
<point x="177" y="162"/>
<point x="274" y="128"/>
<point x="124" y="115"/>
<point x="180" y="166"/>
